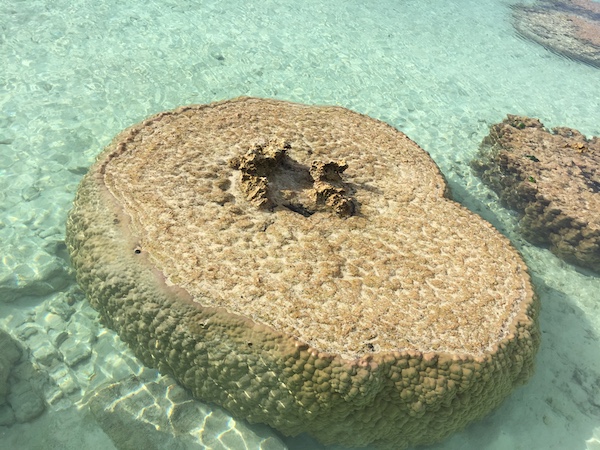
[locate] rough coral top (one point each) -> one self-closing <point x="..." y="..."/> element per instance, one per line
<point x="406" y="269"/>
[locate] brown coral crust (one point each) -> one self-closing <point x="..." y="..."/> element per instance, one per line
<point x="395" y="323"/>
<point x="553" y="179"/>
<point x="570" y="28"/>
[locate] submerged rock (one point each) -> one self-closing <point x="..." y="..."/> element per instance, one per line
<point x="158" y="414"/>
<point x="10" y="353"/>
<point x="303" y="267"/>
<point x="553" y="179"/>
<point x="568" y="27"/>
<point x="19" y="401"/>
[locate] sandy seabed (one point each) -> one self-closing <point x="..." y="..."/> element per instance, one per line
<point x="75" y="73"/>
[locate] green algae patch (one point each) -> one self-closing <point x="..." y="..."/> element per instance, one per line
<point x="303" y="267"/>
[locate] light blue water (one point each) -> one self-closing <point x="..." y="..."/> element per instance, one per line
<point x="74" y="73"/>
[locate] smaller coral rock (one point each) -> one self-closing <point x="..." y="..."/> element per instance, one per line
<point x="568" y="27"/>
<point x="553" y="179"/>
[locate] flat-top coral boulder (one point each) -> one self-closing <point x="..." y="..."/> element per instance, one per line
<point x="568" y="27"/>
<point x="302" y="267"/>
<point x="553" y="179"/>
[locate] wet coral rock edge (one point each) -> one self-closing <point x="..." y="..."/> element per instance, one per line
<point x="552" y="177"/>
<point x="391" y="399"/>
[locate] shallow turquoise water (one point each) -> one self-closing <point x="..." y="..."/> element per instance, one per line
<point x="74" y="73"/>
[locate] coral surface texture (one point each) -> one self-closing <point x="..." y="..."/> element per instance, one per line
<point x="553" y="179"/>
<point x="568" y="27"/>
<point x="303" y="267"/>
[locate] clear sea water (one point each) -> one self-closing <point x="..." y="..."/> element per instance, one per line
<point x="73" y="73"/>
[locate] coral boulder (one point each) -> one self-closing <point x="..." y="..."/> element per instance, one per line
<point x="553" y="179"/>
<point x="303" y="267"/>
<point x="567" y="27"/>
